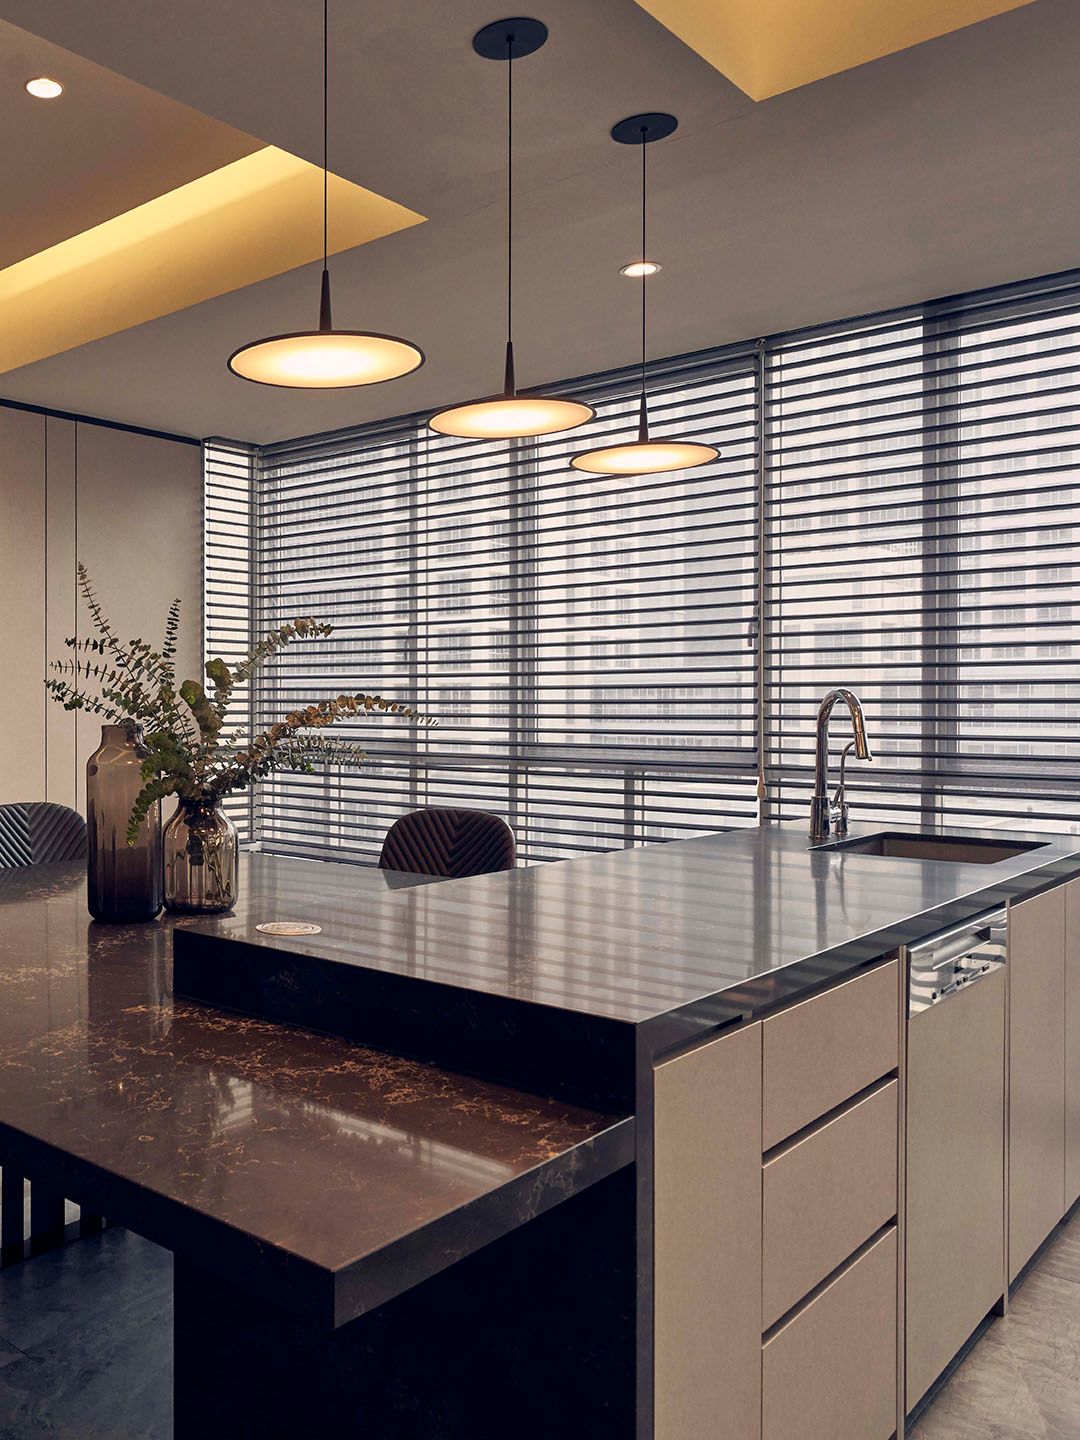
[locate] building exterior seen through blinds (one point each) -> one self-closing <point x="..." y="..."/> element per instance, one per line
<point x="591" y="645"/>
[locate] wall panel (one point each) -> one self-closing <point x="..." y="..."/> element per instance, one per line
<point x="22" y="604"/>
<point x="139" y="518"/>
<point x="128" y="505"/>
<point x="60" y="604"/>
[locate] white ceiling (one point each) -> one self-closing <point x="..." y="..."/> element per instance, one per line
<point x="947" y="167"/>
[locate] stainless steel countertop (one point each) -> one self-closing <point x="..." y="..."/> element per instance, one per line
<point x="696" y="931"/>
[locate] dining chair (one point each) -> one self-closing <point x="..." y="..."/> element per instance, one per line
<point x="39" y="833"/>
<point x="449" y="843"/>
<point x="33" y="1216"/>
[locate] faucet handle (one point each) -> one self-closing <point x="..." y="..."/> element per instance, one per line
<point x="838" y="806"/>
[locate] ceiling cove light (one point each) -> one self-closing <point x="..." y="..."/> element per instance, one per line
<point x="510" y="416"/>
<point x="42" y="88"/>
<point x="325" y="359"/>
<point x="644" y="456"/>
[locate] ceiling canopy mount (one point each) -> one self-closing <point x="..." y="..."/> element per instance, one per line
<point x="510" y="39"/>
<point x="644" y="129"/>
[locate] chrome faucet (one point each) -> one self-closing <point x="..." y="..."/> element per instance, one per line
<point x="831" y="816"/>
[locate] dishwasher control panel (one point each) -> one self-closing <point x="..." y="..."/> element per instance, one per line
<point x="946" y="964"/>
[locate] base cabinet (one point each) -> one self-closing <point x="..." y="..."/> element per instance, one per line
<point x="774" y="1236"/>
<point x="780" y="1243"/>
<point x="955" y="1214"/>
<point x="1037" y="1031"/>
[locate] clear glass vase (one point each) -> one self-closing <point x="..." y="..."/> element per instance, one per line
<point x="123" y="882"/>
<point x="201" y="859"/>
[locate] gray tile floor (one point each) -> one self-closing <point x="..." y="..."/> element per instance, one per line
<point x="86" y="1341"/>
<point x="1021" y="1379"/>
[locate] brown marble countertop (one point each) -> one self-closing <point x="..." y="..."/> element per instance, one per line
<point x="316" y="1172"/>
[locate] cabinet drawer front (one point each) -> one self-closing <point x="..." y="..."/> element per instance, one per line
<point x="830" y="1373"/>
<point x="824" y="1050"/>
<point x="825" y="1196"/>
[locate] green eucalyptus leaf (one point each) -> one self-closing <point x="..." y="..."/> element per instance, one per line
<point x="206" y="717"/>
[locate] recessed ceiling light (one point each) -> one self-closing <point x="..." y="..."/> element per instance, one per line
<point x="44" y="88"/>
<point x="638" y="269"/>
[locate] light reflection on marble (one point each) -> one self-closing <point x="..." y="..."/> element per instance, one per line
<point x="285" y="1157"/>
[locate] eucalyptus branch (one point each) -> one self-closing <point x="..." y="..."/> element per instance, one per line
<point x="192" y="751"/>
<point x="97" y="615"/>
<point x="303" y="628"/>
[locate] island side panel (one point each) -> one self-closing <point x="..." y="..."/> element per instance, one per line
<point x="706" y="1156"/>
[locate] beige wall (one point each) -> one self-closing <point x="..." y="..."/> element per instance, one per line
<point x="130" y="507"/>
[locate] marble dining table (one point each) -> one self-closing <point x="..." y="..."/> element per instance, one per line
<point x="292" y="1173"/>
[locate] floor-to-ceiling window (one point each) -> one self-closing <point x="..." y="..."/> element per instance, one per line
<point x="895" y="508"/>
<point x="923" y="534"/>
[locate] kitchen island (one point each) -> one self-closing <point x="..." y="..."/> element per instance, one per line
<point x="476" y="1194"/>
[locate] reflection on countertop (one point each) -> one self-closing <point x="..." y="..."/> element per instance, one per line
<point x="665" y="938"/>
<point x="295" y="1157"/>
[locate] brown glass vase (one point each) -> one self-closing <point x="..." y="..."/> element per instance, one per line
<point x="201" y="859"/>
<point x="123" y="882"/>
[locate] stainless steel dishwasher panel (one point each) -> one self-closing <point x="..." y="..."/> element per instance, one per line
<point x="955" y="1251"/>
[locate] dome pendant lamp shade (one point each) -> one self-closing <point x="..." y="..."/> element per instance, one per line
<point x="510" y="416"/>
<point x="645" y="455"/>
<point x="325" y="359"/>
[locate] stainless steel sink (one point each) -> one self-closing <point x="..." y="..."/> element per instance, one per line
<point x="894" y="845"/>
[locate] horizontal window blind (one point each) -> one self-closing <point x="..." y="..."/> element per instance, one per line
<point x="922" y="529"/>
<point x="898" y="495"/>
<point x="586" y="643"/>
<point x="228" y="561"/>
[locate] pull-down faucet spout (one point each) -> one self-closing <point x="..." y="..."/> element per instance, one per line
<point x="826" y="818"/>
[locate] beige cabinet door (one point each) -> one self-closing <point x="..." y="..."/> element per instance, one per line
<point x="1072" y="1042"/>
<point x="1036" y="972"/>
<point x="955" y="1250"/>
<point x="707" y="1241"/>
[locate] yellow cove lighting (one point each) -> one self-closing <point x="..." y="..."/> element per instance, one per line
<point x="768" y="46"/>
<point x="256" y="217"/>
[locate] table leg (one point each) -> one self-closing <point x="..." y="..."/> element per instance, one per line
<point x="12" y="1214"/>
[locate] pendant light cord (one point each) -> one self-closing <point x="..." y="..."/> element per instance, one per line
<point x="509" y="379"/>
<point x="325" y="319"/>
<point x="325" y="123"/>
<point x="644" y="287"/>
<point x="643" y="416"/>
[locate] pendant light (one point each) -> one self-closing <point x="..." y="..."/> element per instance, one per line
<point x="325" y="359"/>
<point x="510" y="415"/>
<point x="644" y="456"/>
